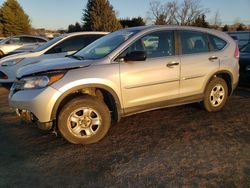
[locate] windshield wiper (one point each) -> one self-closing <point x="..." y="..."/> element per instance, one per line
<point x="75" y="57"/>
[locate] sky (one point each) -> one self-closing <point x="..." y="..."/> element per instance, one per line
<point x="58" y="14"/>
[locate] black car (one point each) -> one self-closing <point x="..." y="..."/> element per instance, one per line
<point x="245" y="64"/>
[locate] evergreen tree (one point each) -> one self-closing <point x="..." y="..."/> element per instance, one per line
<point x="225" y="28"/>
<point x="201" y="22"/>
<point x="100" y="16"/>
<point x="132" y="22"/>
<point x="13" y="19"/>
<point x="74" y="28"/>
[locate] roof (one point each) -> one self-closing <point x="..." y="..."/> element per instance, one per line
<point x="86" y="33"/>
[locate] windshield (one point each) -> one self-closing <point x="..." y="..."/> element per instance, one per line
<point x="105" y="45"/>
<point x="47" y="44"/>
<point x="246" y="48"/>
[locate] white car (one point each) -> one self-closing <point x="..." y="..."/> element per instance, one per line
<point x="10" y="44"/>
<point x="58" y="47"/>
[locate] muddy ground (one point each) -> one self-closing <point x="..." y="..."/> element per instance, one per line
<point x="176" y="147"/>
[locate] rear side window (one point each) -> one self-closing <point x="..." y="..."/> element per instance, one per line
<point x="217" y="42"/>
<point x="28" y="40"/>
<point x="193" y="42"/>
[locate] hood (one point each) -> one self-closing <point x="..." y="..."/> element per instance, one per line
<point x="14" y="57"/>
<point x="52" y="65"/>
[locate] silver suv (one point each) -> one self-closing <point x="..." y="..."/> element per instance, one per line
<point x="126" y="72"/>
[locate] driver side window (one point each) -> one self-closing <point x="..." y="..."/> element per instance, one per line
<point x="157" y="44"/>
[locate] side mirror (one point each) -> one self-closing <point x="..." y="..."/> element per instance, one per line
<point x="136" y="56"/>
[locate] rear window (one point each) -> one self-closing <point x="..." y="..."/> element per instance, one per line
<point x="217" y="42"/>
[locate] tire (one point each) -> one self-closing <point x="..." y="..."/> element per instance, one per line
<point x="216" y="95"/>
<point x="84" y="120"/>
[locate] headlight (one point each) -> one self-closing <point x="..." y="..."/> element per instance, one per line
<point x="12" y="62"/>
<point x="38" y="82"/>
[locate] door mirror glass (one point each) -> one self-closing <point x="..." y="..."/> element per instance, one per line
<point x="136" y="56"/>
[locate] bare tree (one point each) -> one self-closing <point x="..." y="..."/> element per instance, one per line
<point x="188" y="11"/>
<point x="160" y="13"/>
<point x="184" y="13"/>
<point x="216" y="20"/>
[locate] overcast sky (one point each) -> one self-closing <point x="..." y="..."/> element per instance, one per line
<point x="58" y="14"/>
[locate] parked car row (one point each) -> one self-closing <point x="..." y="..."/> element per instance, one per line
<point x="125" y="72"/>
<point x="22" y="42"/>
<point x="58" y="47"/>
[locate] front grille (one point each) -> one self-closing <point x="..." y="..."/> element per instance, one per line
<point x="3" y="76"/>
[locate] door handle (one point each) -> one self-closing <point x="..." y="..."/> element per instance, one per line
<point x="212" y="58"/>
<point x="172" y="64"/>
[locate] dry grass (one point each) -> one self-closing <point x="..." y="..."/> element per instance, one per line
<point x="175" y="147"/>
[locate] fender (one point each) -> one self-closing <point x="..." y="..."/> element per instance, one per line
<point x="77" y="88"/>
<point x="217" y="73"/>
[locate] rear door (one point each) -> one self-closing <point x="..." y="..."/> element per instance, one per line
<point x="147" y="84"/>
<point x="197" y="62"/>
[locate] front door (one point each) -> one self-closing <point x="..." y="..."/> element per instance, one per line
<point x="148" y="84"/>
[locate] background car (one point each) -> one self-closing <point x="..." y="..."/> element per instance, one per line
<point x="12" y="43"/>
<point x="241" y="37"/>
<point x="245" y="64"/>
<point x="58" y="47"/>
<point x="1" y="38"/>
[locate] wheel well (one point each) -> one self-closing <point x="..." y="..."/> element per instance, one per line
<point x="101" y="94"/>
<point x="228" y="79"/>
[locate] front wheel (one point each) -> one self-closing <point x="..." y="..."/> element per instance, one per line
<point x="216" y="95"/>
<point x="84" y="120"/>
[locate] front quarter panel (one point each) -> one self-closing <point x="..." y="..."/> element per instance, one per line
<point x="106" y="75"/>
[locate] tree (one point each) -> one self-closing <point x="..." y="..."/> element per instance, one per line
<point x="161" y="20"/>
<point x="225" y="28"/>
<point x="201" y="22"/>
<point x="187" y="12"/>
<point x="240" y="27"/>
<point x="100" y="16"/>
<point x="160" y="13"/>
<point x="13" y="19"/>
<point x="132" y="22"/>
<point x="74" y="28"/>
<point x="173" y="12"/>
<point x="216" y="20"/>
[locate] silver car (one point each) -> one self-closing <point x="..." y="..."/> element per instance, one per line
<point x="123" y="74"/>
<point x="20" y="41"/>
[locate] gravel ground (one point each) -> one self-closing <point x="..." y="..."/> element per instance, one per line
<point x="176" y="147"/>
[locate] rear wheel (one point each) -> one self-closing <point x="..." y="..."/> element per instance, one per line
<point x="84" y="120"/>
<point x="216" y="95"/>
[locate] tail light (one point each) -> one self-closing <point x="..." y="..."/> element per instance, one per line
<point x="237" y="52"/>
